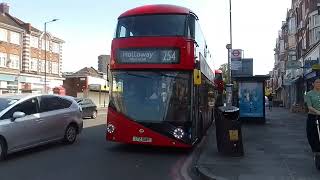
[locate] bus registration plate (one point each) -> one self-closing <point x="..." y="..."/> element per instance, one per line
<point x="141" y="139"/>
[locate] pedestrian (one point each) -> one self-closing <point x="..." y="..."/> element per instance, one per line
<point x="312" y="98"/>
<point x="270" y="98"/>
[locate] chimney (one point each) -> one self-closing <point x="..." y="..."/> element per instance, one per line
<point x="27" y="27"/>
<point x="4" y="8"/>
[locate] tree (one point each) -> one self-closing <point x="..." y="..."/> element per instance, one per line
<point x="224" y="69"/>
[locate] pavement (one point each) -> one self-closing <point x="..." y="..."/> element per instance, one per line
<point x="277" y="150"/>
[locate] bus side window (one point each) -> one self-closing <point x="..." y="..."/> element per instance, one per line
<point x="191" y="27"/>
<point x="200" y="40"/>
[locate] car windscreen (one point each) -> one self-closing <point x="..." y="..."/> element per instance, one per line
<point x="6" y="102"/>
<point x="151" y="25"/>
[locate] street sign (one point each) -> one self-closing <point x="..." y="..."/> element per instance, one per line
<point x="236" y="65"/>
<point x="316" y="67"/>
<point x="236" y="54"/>
<point x="293" y="64"/>
<point x="309" y="63"/>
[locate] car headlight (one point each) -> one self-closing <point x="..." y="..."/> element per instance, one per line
<point x="178" y="133"/>
<point x="110" y="128"/>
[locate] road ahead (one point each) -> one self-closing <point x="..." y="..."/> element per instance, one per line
<point x="91" y="157"/>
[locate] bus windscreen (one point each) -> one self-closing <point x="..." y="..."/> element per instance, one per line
<point x="146" y="96"/>
<point x="151" y="25"/>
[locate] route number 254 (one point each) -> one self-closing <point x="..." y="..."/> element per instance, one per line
<point x="169" y="56"/>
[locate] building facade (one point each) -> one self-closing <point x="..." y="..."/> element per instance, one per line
<point x="88" y="83"/>
<point x="22" y="56"/>
<point x="296" y="51"/>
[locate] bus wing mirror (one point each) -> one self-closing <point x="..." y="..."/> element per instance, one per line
<point x="196" y="77"/>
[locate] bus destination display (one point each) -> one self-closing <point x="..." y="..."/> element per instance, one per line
<point x="148" y="56"/>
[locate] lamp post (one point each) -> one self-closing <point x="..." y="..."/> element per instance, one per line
<point x="229" y="86"/>
<point x="230" y="45"/>
<point x="45" y="53"/>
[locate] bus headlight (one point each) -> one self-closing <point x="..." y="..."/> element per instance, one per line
<point x="110" y="128"/>
<point x="178" y="133"/>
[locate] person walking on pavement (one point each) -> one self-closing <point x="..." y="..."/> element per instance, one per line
<point x="312" y="98"/>
<point x="270" y="97"/>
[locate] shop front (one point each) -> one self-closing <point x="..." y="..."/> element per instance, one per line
<point x="8" y="83"/>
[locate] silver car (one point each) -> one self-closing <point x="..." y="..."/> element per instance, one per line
<point x="30" y="120"/>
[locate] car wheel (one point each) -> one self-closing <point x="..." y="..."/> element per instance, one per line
<point x="70" y="134"/>
<point x="3" y="149"/>
<point x="94" y="115"/>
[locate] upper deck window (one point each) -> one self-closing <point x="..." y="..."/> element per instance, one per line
<point x="151" y="25"/>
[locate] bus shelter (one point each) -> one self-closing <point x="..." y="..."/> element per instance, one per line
<point x="251" y="98"/>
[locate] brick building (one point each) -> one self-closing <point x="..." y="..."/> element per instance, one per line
<point x="297" y="49"/>
<point x="88" y="83"/>
<point x="22" y="61"/>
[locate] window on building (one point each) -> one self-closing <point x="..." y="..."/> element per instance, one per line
<point x="42" y="65"/>
<point x="48" y="66"/>
<point x="55" y="47"/>
<point x="43" y="45"/>
<point x="14" y="38"/>
<point x="34" y="64"/>
<point x="55" y="68"/>
<point x="3" y="35"/>
<point x="282" y="46"/>
<point x="314" y="29"/>
<point x="292" y="26"/>
<point x="34" y="42"/>
<point x="3" y="59"/>
<point x="14" y="61"/>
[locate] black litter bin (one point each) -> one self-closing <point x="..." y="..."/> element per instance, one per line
<point x="228" y="131"/>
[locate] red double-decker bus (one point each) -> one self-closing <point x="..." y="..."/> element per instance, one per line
<point x="162" y="88"/>
<point x="218" y="80"/>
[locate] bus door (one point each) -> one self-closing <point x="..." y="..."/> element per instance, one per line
<point x="196" y="121"/>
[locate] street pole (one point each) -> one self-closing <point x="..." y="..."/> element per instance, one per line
<point x="229" y="51"/>
<point x="45" y="57"/>
<point x="45" y="53"/>
<point x="229" y="86"/>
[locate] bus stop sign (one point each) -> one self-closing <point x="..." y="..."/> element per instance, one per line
<point x="236" y="54"/>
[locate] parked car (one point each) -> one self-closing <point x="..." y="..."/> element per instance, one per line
<point x="30" y="120"/>
<point x="89" y="109"/>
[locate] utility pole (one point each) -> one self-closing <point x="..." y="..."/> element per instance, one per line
<point x="45" y="54"/>
<point x="230" y="45"/>
<point x="229" y="86"/>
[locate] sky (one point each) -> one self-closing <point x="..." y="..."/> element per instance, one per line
<point x="87" y="27"/>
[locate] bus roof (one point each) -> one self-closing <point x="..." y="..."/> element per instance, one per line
<point x="218" y="71"/>
<point x="156" y="9"/>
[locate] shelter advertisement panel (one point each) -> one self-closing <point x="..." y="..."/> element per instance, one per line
<point x="251" y="102"/>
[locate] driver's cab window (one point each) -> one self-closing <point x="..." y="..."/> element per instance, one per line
<point x="122" y="32"/>
<point x="28" y="107"/>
